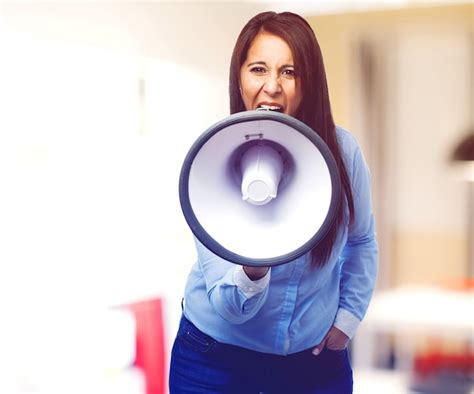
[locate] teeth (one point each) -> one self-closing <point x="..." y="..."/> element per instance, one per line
<point x="269" y="107"/>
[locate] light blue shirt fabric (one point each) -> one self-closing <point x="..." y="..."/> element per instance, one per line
<point x="294" y="306"/>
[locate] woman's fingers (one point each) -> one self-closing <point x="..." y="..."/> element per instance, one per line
<point x="255" y="273"/>
<point x="319" y="348"/>
<point x="335" y="339"/>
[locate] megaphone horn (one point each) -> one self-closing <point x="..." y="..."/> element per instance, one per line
<point x="259" y="188"/>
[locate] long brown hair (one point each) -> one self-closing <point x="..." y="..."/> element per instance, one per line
<point x="315" y="108"/>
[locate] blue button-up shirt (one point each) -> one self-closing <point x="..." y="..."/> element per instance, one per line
<point x="295" y="304"/>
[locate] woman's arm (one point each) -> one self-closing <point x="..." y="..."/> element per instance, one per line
<point x="359" y="258"/>
<point x="235" y="294"/>
<point x="359" y="261"/>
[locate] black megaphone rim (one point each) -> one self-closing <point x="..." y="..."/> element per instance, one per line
<point x="208" y="241"/>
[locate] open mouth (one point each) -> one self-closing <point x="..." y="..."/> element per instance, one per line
<point x="265" y="107"/>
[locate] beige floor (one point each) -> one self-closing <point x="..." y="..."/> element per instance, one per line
<point x="379" y="381"/>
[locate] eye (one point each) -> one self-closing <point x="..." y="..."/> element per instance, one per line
<point x="288" y="72"/>
<point x="257" y="70"/>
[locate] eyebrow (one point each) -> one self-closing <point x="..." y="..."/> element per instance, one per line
<point x="264" y="64"/>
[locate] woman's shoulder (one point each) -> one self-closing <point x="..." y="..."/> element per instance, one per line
<point x="347" y="142"/>
<point x="345" y="137"/>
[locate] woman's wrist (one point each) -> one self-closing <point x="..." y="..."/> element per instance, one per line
<point x="255" y="273"/>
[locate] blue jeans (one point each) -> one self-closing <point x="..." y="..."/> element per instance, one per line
<point x="200" y="364"/>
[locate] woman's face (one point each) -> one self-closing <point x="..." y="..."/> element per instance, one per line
<point x="267" y="76"/>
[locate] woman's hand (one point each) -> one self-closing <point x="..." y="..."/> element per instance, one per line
<point x="335" y="339"/>
<point x="255" y="273"/>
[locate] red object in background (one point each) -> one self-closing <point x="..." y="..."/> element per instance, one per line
<point x="435" y="362"/>
<point x="150" y="344"/>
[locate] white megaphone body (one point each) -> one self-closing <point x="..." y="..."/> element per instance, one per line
<point x="259" y="188"/>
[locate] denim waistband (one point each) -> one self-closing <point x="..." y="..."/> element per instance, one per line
<point x="186" y="327"/>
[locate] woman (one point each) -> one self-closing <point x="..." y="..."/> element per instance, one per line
<point x="283" y="329"/>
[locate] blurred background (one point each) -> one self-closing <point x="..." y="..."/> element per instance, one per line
<point x="100" y="102"/>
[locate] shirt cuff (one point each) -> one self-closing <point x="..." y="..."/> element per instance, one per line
<point x="247" y="286"/>
<point x="346" y="322"/>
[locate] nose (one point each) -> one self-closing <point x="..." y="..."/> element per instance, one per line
<point x="272" y="85"/>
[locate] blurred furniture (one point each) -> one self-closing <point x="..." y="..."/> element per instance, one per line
<point x="150" y="344"/>
<point x="409" y="311"/>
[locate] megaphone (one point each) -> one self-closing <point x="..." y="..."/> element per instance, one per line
<point x="259" y="188"/>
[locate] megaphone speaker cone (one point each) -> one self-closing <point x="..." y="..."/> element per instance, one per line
<point x="259" y="188"/>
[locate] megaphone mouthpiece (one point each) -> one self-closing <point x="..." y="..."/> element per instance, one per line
<point x="261" y="168"/>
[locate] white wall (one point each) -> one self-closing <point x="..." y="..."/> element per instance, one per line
<point x="100" y="103"/>
<point x="433" y="113"/>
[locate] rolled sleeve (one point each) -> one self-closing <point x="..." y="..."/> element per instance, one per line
<point x="346" y="322"/>
<point x="247" y="286"/>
